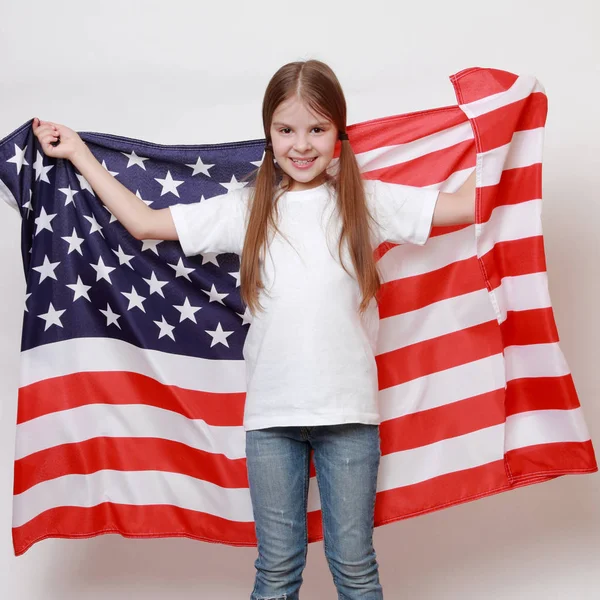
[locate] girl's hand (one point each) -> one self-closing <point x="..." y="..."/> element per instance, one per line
<point x="48" y="132"/>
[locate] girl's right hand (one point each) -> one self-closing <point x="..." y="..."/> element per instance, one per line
<point x="47" y="132"/>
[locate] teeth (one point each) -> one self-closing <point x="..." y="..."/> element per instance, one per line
<point x="303" y="162"/>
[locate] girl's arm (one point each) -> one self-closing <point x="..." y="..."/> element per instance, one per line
<point x="141" y="221"/>
<point x="456" y="208"/>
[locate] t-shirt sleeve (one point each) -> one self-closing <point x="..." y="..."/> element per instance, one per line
<point x="217" y="224"/>
<point x="404" y="213"/>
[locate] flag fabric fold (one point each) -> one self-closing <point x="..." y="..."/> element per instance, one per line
<point x="132" y="380"/>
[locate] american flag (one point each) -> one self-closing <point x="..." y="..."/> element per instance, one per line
<point x="132" y="384"/>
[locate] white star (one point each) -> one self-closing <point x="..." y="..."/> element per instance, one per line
<point x="219" y="336"/>
<point x="246" y="317"/>
<point x="187" y="311"/>
<point x="46" y="269"/>
<point x="102" y="271"/>
<point x="43" y="221"/>
<point x="134" y="159"/>
<point x="41" y="172"/>
<point x="19" y="158"/>
<point x="27" y="298"/>
<point x="236" y="276"/>
<point x="80" y="289"/>
<point x="169" y="184"/>
<point x="181" y="270"/>
<point x="124" y="259"/>
<point x="84" y="184"/>
<point x="214" y="296"/>
<point x="258" y="163"/>
<point x="111" y="317"/>
<point x="151" y="245"/>
<point x="210" y="257"/>
<point x="234" y="184"/>
<point x="165" y="328"/>
<point x="146" y="202"/>
<point x="113" y="173"/>
<point x="112" y="217"/>
<point x="52" y="317"/>
<point x="74" y="242"/>
<point x="27" y="205"/>
<point x="155" y="284"/>
<point x="70" y="195"/>
<point x="200" y="167"/>
<point x="135" y="300"/>
<point x="95" y="226"/>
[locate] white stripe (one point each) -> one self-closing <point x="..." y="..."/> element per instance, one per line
<point x="545" y="427"/>
<point x="396" y="470"/>
<point x="511" y="222"/>
<point x="134" y="488"/>
<point x="535" y="360"/>
<point x="446" y="456"/>
<point x="525" y="149"/>
<point x="7" y="196"/>
<point x="125" y="420"/>
<point x="389" y="156"/>
<point x="106" y="354"/>
<point x="522" y="87"/>
<point x="407" y="260"/>
<point x="434" y="320"/>
<point x="522" y="292"/>
<point x="442" y="388"/>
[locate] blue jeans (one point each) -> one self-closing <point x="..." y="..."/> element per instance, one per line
<point x="346" y="459"/>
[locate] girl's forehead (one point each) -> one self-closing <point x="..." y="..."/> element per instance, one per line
<point x="296" y="110"/>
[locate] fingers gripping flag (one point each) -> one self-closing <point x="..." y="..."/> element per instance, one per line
<point x="132" y="382"/>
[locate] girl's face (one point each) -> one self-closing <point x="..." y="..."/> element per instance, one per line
<point x="303" y="143"/>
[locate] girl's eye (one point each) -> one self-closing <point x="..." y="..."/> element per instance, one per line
<point x="317" y="129"/>
<point x="285" y="130"/>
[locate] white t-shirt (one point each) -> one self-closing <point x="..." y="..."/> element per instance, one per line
<point x="310" y="356"/>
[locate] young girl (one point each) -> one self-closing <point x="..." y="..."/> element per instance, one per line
<point x="306" y="231"/>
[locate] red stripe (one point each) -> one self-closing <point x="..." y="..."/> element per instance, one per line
<point x="442" y="422"/>
<point x="524" y="327"/>
<point x="411" y="293"/>
<point x="540" y="393"/>
<point x="98" y="387"/>
<point x="497" y="127"/>
<point x="429" y="169"/>
<point x="477" y="83"/>
<point x="437" y="354"/>
<point x="403" y="129"/>
<point x="128" y="454"/>
<point x="146" y="521"/>
<point x="547" y="460"/>
<point x="512" y="258"/>
<point x="515" y="186"/>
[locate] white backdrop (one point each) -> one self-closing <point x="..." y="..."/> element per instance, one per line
<point x="194" y="72"/>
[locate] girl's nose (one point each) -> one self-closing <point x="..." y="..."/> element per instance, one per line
<point x="302" y="144"/>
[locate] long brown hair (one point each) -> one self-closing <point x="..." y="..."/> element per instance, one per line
<point x="314" y="83"/>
